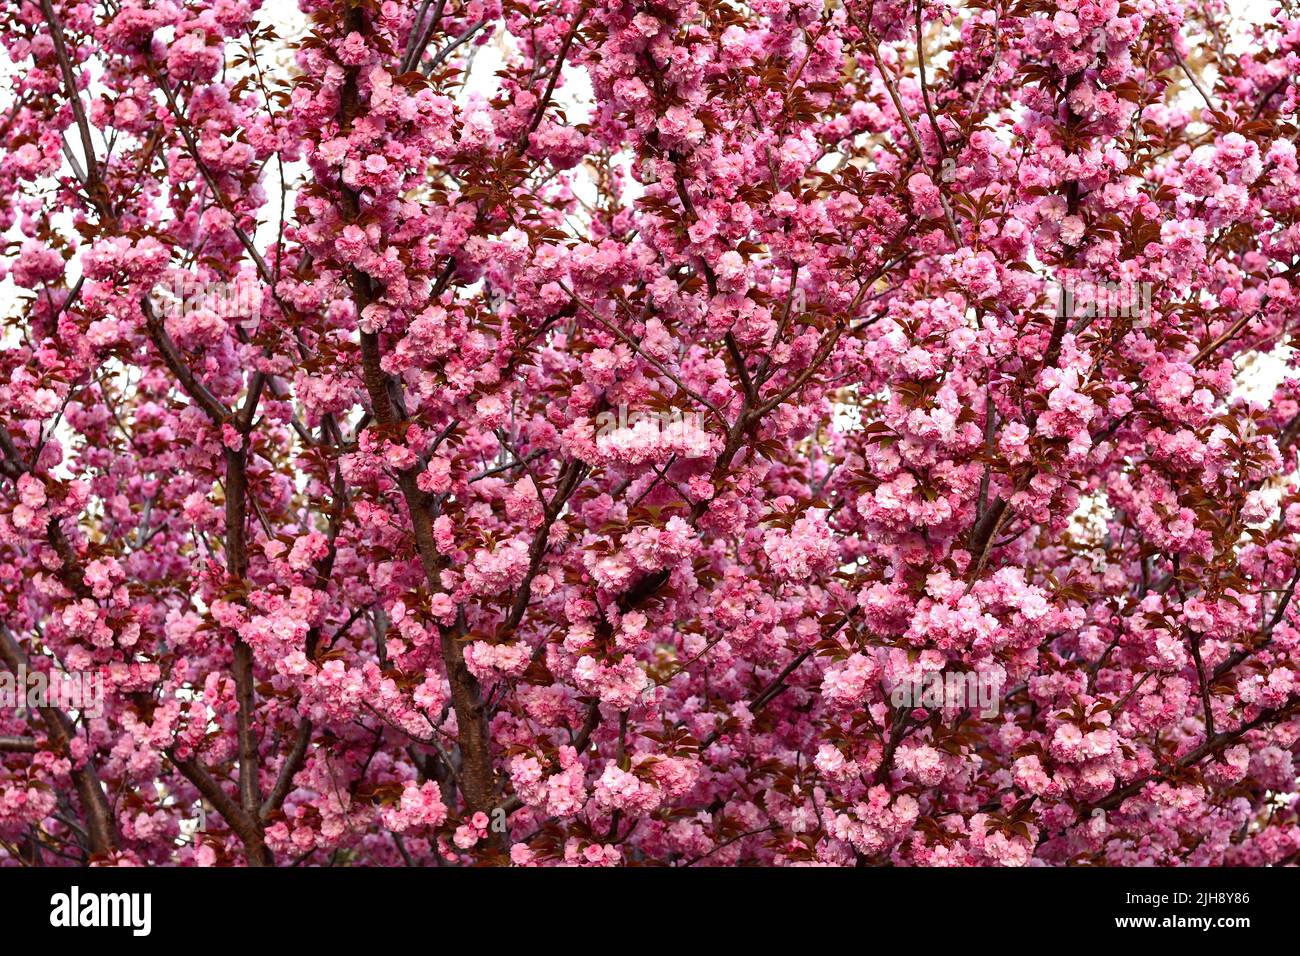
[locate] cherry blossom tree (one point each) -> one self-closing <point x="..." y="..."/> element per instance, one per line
<point x="563" y="431"/>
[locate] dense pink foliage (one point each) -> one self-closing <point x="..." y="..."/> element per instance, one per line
<point x="528" y="487"/>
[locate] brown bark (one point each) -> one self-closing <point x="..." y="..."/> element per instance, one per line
<point x="476" y="772"/>
<point x="101" y="828"/>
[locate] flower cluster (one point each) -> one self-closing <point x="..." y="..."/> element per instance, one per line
<point x="627" y="419"/>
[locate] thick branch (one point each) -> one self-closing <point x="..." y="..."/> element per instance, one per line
<point x="245" y="827"/>
<point x="101" y="828"/>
